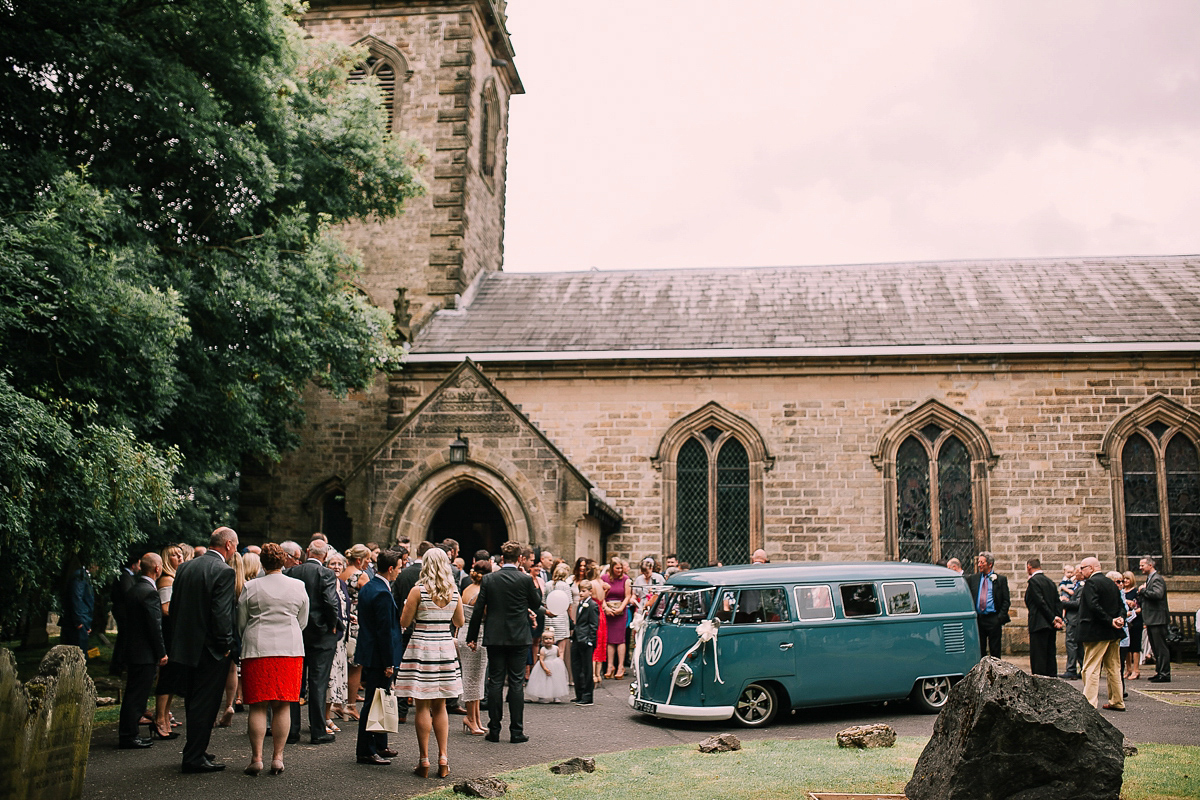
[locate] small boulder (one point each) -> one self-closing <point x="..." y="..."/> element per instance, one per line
<point x="720" y="744"/>
<point x="571" y="766"/>
<point x="481" y="787"/>
<point x="864" y="736"/>
<point x="1130" y="750"/>
<point x="1006" y="734"/>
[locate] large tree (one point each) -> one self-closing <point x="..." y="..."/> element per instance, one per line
<point x="169" y="176"/>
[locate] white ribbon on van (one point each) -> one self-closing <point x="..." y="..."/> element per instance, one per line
<point x="639" y="633"/>
<point x="706" y="631"/>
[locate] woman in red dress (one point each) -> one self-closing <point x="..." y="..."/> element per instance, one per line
<point x="272" y="612"/>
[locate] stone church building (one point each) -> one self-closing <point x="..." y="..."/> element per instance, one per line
<point x="918" y="411"/>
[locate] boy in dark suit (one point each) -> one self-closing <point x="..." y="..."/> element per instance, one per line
<point x="509" y="599"/>
<point x="141" y="641"/>
<point x="583" y="644"/>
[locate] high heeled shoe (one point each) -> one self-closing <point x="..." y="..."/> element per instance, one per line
<point x="254" y="768"/>
<point x="470" y="731"/>
<point x="421" y="770"/>
<point x="276" y="767"/>
<point x="443" y="767"/>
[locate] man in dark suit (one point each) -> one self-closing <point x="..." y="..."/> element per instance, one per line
<point x="992" y="601"/>
<point x="202" y="610"/>
<point x="1101" y="628"/>
<point x="583" y="644"/>
<point x="1153" y="600"/>
<point x="117" y="597"/>
<point x="509" y="600"/>
<point x="141" y="641"/>
<point x="1045" y="619"/>
<point x="379" y="650"/>
<point x="320" y="639"/>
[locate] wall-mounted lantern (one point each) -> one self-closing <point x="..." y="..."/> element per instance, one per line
<point x="458" y="449"/>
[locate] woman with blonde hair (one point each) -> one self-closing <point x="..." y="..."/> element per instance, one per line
<point x="1132" y="654"/>
<point x="356" y="577"/>
<point x="429" y="672"/>
<point x="168" y="674"/>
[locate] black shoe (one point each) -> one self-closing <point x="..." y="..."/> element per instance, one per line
<point x="456" y="710"/>
<point x="323" y="738"/>
<point x="293" y="739"/>
<point x="209" y="757"/>
<point x="1069" y="676"/>
<point x="207" y="766"/>
<point x="1161" y="679"/>
<point x="583" y="702"/>
<point x="378" y="761"/>
<point x="137" y="743"/>
<point x="491" y="737"/>
<point x="158" y="737"/>
<point x="518" y="738"/>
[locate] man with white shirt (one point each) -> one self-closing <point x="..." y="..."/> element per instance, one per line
<point x="379" y="650"/>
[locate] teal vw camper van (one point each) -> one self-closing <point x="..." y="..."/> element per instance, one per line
<point x="749" y="641"/>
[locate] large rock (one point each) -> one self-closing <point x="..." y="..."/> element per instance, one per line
<point x="46" y="727"/>
<point x="867" y="736"/>
<point x="1007" y="734"/>
<point x="723" y="743"/>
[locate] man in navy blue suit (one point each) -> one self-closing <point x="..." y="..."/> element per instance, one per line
<point x="379" y="650"/>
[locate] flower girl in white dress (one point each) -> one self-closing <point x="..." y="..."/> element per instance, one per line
<point x="548" y="678"/>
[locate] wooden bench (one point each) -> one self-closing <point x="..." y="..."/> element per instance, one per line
<point x="1185" y="623"/>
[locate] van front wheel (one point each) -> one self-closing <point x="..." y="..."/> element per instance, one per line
<point x="931" y="694"/>
<point x="756" y="706"/>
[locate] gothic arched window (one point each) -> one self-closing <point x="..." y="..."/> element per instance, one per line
<point x="385" y="64"/>
<point x="489" y="128"/>
<point x="712" y="463"/>
<point x="935" y="462"/>
<point x="1156" y="483"/>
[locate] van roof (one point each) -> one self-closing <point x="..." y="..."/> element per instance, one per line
<point x="801" y="572"/>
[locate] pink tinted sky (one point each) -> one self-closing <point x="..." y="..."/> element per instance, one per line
<point x="688" y="133"/>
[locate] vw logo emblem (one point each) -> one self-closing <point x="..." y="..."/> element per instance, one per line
<point x="654" y="651"/>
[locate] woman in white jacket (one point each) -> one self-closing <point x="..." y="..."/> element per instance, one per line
<point x="272" y="612"/>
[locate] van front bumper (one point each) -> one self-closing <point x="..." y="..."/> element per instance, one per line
<point x="713" y="713"/>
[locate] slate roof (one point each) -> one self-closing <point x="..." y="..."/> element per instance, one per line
<point x="1037" y="305"/>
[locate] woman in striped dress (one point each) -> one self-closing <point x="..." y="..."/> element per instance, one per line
<point x="429" y="672"/>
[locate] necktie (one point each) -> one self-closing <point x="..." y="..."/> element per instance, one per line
<point x="985" y="593"/>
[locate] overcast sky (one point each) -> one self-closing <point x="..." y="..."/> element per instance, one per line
<point x="689" y="133"/>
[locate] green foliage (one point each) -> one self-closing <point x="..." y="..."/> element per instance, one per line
<point x="170" y="174"/>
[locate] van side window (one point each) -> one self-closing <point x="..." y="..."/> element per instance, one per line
<point x="761" y="605"/>
<point x="901" y="598"/>
<point x="814" y="602"/>
<point x="860" y="600"/>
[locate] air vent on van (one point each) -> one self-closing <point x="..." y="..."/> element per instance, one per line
<point x="954" y="637"/>
<point x="945" y="583"/>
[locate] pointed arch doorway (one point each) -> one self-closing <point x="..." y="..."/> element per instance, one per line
<point x="471" y="519"/>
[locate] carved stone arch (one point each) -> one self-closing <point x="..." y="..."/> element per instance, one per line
<point x="1173" y="419"/>
<point x="314" y="505"/>
<point x="490" y="115"/>
<point x="411" y="505"/>
<point x="712" y="415"/>
<point x="952" y="423"/>
<point x="381" y="49"/>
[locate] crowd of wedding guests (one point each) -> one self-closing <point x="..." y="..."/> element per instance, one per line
<point x="269" y="629"/>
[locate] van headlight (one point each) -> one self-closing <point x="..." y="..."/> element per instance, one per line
<point x="683" y="678"/>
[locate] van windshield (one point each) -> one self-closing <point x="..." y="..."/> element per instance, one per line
<point x="682" y="607"/>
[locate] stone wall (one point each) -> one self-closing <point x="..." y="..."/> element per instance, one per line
<point x="824" y="498"/>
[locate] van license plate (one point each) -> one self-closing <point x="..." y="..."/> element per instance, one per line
<point x="643" y="706"/>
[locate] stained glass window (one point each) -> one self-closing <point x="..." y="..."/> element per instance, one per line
<point x="1161" y="477"/>
<point x="712" y="498"/>
<point x="691" y="502"/>
<point x="1143" y="528"/>
<point x="934" y="526"/>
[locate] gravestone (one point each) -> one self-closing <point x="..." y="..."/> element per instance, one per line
<point x="1006" y="734"/>
<point x="46" y="726"/>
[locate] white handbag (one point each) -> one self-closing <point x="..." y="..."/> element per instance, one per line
<point x="385" y="713"/>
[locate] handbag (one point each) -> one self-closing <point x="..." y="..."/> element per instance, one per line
<point x="385" y="713"/>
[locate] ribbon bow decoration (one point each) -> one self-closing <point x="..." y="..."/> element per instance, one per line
<point x="706" y="631"/>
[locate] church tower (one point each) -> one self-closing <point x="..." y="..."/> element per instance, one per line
<point x="447" y="74"/>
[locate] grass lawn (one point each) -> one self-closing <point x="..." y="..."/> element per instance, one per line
<point x="789" y="769"/>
